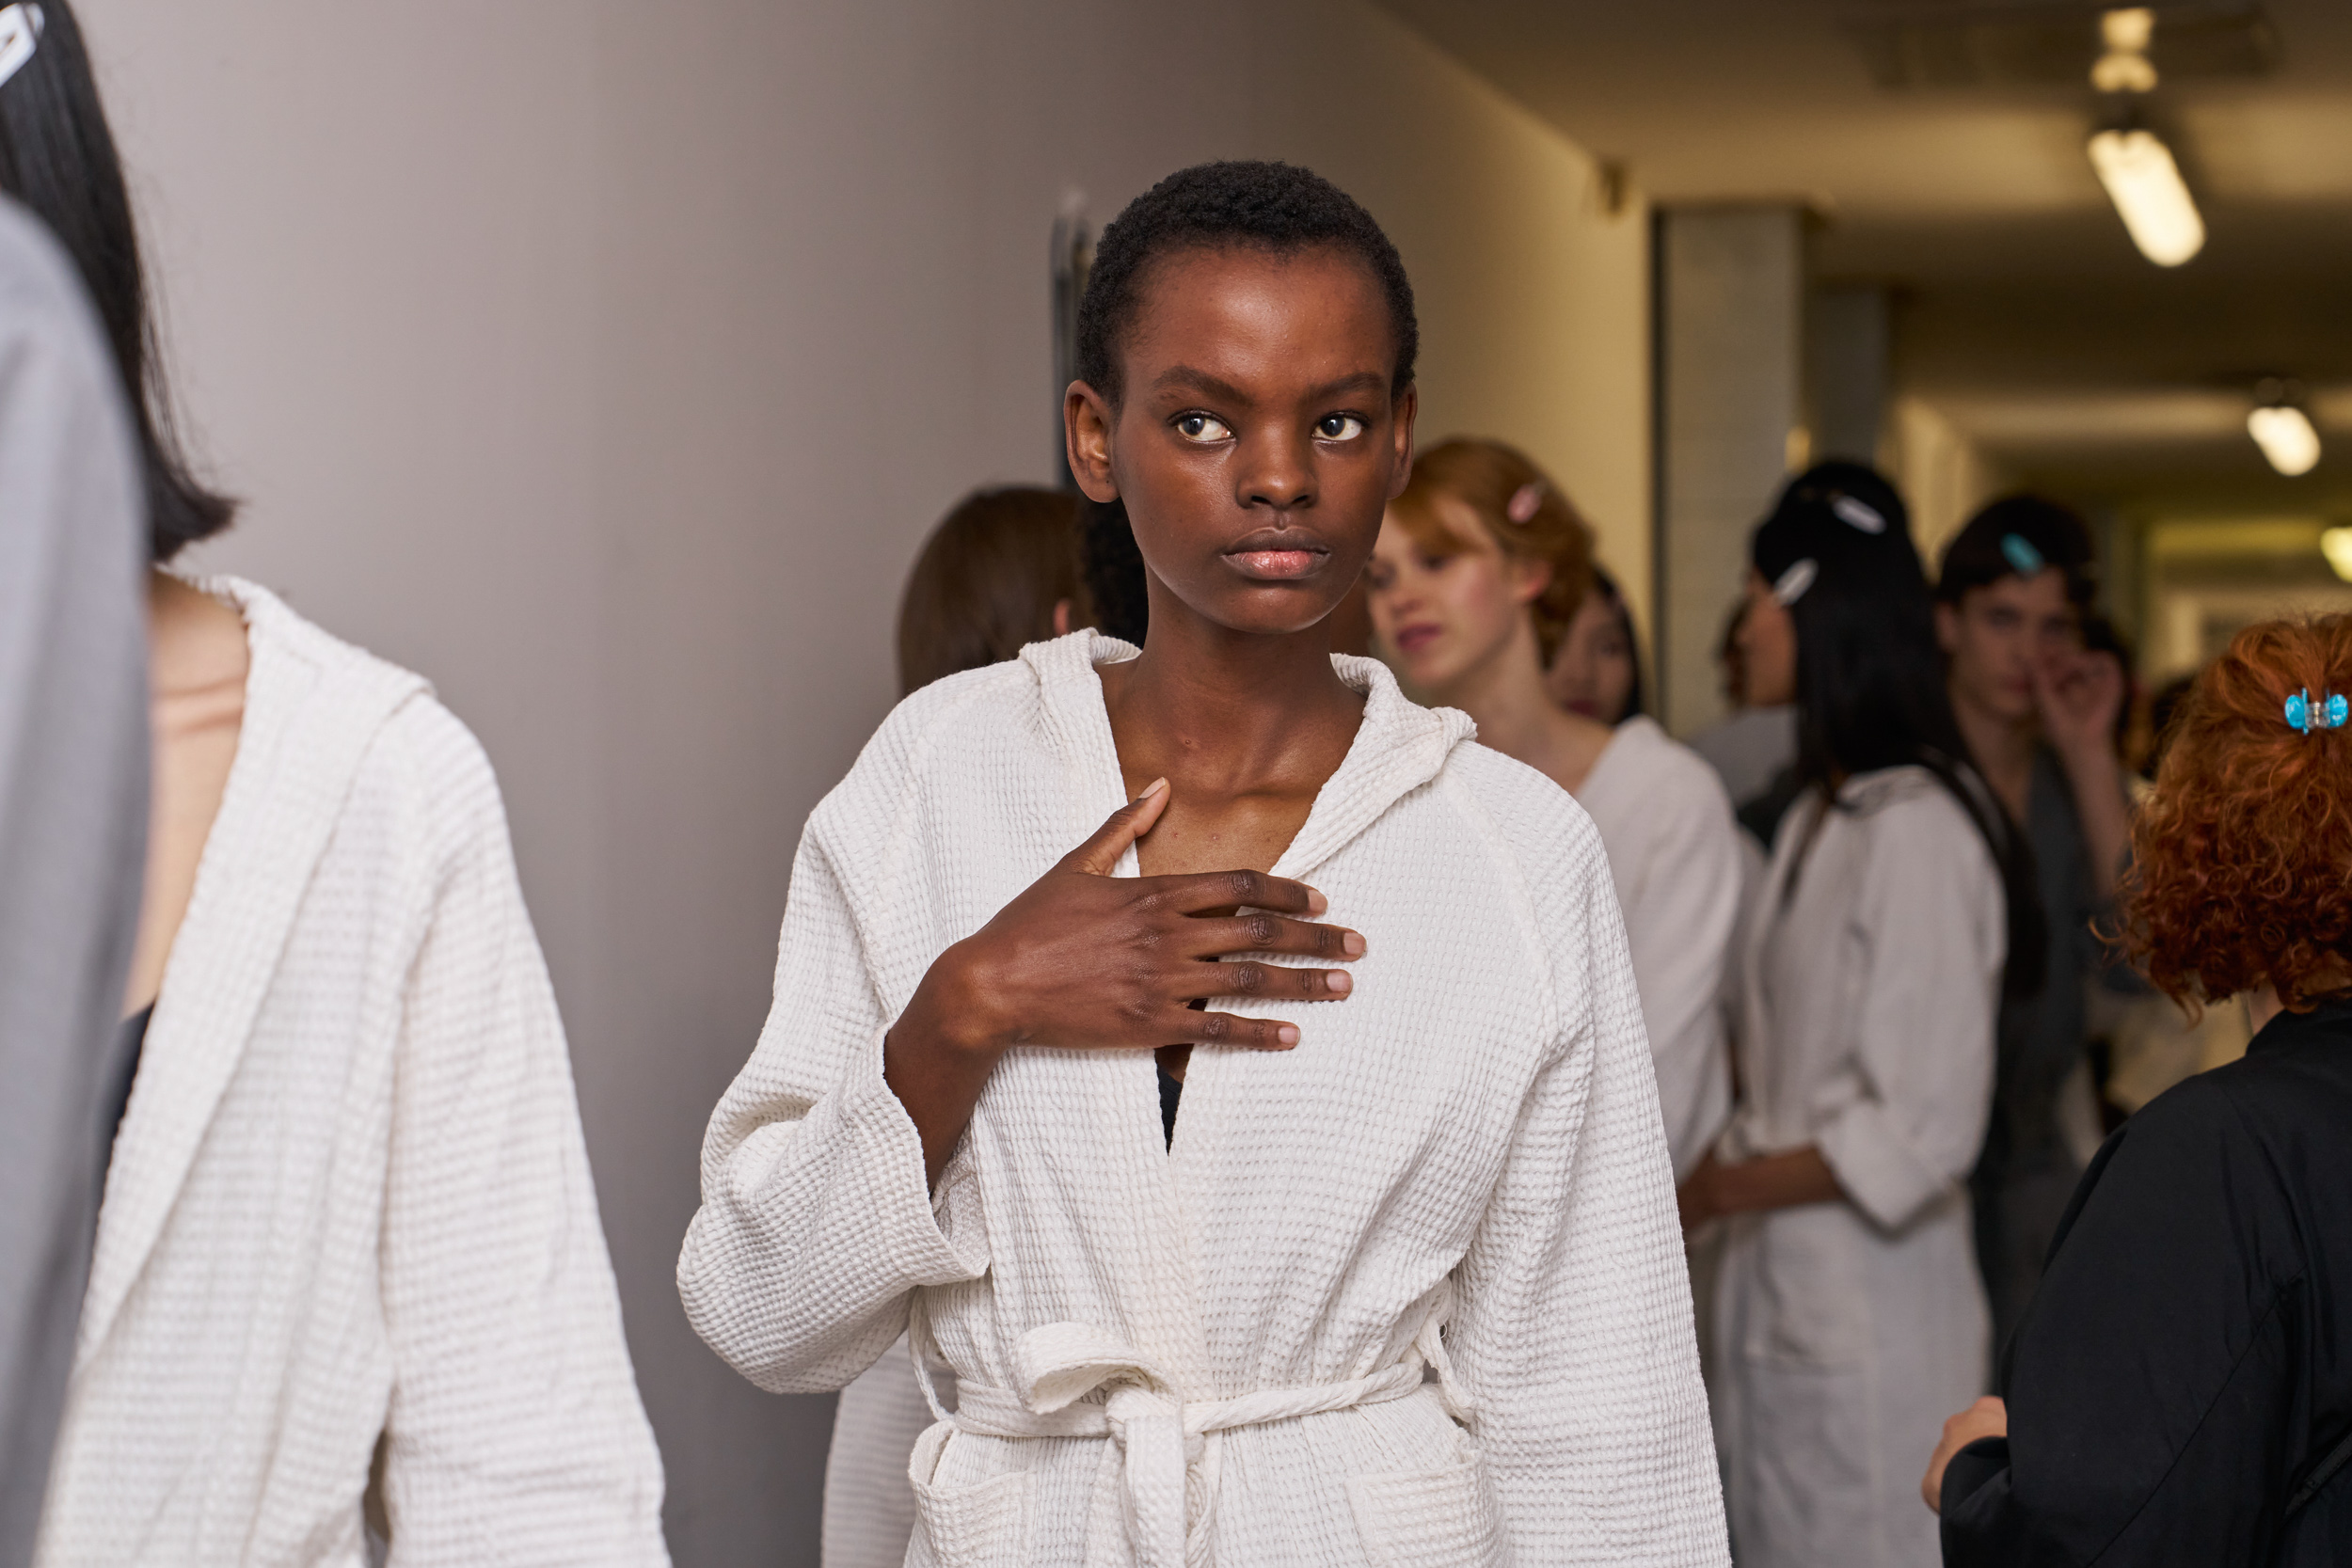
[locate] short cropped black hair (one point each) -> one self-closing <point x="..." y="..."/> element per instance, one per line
<point x="2018" y="536"/>
<point x="1275" y="207"/>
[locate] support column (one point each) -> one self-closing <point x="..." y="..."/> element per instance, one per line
<point x="1730" y="350"/>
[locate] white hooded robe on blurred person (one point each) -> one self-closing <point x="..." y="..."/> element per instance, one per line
<point x="350" y="1200"/>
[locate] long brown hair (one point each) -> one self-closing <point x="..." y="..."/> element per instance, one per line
<point x="986" y="583"/>
<point x="1484" y="476"/>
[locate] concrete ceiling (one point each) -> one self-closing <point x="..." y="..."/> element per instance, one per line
<point x="2023" y="311"/>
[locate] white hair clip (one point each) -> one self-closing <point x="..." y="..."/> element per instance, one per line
<point x="1792" y="583"/>
<point x="1524" y="503"/>
<point x="20" y="30"/>
<point x="1858" y="515"/>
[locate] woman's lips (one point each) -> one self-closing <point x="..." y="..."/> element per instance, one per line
<point x="1411" y="640"/>
<point x="1276" y="566"/>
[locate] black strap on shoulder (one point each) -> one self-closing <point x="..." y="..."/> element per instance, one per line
<point x="2322" y="1473"/>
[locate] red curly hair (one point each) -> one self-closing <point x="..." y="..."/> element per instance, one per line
<point x="2242" y="869"/>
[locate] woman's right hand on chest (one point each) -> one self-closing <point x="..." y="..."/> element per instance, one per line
<point x="1083" y="959"/>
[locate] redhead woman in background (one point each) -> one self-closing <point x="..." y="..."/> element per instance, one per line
<point x="1482" y="570"/>
<point x="2178" y="1391"/>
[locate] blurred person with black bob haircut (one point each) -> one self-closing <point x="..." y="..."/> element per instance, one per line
<point x="987" y="1111"/>
<point x="2039" y="712"/>
<point x="1847" y="1314"/>
<point x="2178" y="1391"/>
<point x="348" y="1240"/>
<point x="1001" y="571"/>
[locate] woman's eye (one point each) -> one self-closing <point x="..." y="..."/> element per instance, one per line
<point x="1339" y="427"/>
<point x="1201" y="427"/>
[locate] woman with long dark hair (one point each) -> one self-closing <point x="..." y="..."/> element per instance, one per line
<point x="348" y="1269"/>
<point x="1847" y="1315"/>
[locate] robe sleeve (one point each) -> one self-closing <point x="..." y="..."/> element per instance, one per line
<point x="1572" y="1332"/>
<point x="1679" y="924"/>
<point x="1930" y="913"/>
<point x="817" y="1223"/>
<point x="514" y="1433"/>
<point x="2149" y="1387"/>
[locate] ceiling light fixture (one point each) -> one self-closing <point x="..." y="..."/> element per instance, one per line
<point x="2125" y="67"/>
<point x="2336" y="545"/>
<point x="2280" y="428"/>
<point x="2148" y="191"/>
<point x="2286" y="437"/>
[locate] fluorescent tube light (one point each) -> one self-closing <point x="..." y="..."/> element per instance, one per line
<point x="2146" y="186"/>
<point x="2336" y="545"/>
<point x="2286" y="437"/>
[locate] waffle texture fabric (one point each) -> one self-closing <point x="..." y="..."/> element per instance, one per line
<point x="1843" y="1334"/>
<point x="1674" y="854"/>
<point x="350" y="1195"/>
<point x="1472" y="1139"/>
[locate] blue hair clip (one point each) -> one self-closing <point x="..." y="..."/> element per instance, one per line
<point x="2305" y="714"/>
<point x="2020" y="554"/>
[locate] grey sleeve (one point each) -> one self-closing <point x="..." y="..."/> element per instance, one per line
<point x="73" y="822"/>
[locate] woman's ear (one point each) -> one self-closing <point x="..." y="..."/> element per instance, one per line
<point x="1946" y="628"/>
<point x="1407" y="409"/>
<point x="1086" y="423"/>
<point x="1529" y="579"/>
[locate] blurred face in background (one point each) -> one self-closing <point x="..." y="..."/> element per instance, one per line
<point x="1766" y="640"/>
<point x="1998" y="635"/>
<point x="1593" y="672"/>
<point x="1441" y="614"/>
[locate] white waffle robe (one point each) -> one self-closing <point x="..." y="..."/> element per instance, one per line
<point x="1674" y="854"/>
<point x="1231" y="1351"/>
<point x="350" y="1197"/>
<point x="1843" y="1333"/>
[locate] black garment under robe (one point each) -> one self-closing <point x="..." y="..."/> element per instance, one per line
<point x="2180" y="1392"/>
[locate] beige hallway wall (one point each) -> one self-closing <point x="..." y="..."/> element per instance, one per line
<point x="608" y="362"/>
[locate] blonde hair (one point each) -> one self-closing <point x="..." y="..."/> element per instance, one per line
<point x="1489" y="477"/>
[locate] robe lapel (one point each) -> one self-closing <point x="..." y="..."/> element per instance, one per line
<point x="309" y="717"/>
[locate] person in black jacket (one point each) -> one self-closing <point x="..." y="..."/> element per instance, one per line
<point x="2180" y="1389"/>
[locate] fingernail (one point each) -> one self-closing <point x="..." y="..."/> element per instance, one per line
<point x="1338" y="982"/>
<point x="1152" y="789"/>
<point x="1287" y="1034"/>
<point x="1352" y="944"/>
<point x="1316" y="902"/>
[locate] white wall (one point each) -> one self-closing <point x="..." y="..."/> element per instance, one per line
<point x="607" y="361"/>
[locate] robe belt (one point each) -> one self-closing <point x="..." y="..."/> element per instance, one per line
<point x="1166" y="1449"/>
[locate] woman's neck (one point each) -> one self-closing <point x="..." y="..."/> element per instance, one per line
<point x="1504" y="693"/>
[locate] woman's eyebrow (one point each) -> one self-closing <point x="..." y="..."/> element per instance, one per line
<point x="1187" y="377"/>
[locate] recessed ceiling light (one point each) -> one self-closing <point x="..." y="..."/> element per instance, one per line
<point x="2148" y="191"/>
<point x="2125" y="67"/>
<point x="2286" y="437"/>
<point x="2336" y="545"/>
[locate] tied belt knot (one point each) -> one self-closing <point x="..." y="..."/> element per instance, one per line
<point x="1165" y="1451"/>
